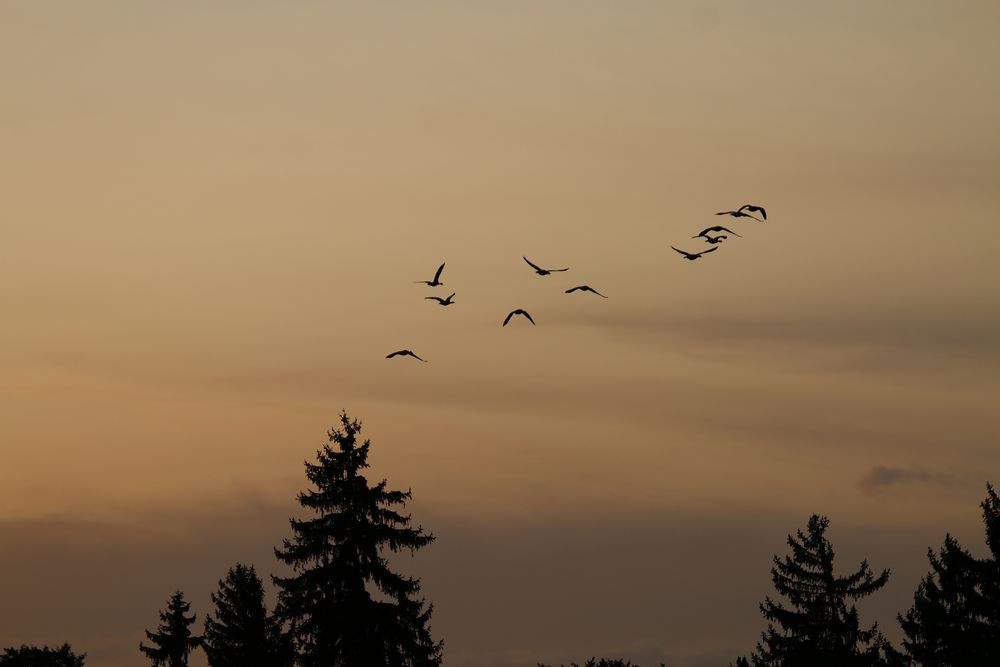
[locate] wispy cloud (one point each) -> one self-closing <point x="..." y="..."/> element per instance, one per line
<point x="880" y="478"/>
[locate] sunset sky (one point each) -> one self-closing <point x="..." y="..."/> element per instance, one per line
<point x="212" y="215"/>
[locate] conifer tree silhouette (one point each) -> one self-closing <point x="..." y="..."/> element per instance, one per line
<point x="33" y="656"/>
<point x="955" y="617"/>
<point x="333" y="617"/>
<point x="818" y="628"/>
<point x="173" y="641"/>
<point x="242" y="634"/>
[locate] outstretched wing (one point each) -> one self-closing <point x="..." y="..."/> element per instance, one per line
<point x="435" y="298"/>
<point x="438" y="274"/>
<point x="720" y="228"/>
<point x="754" y="209"/>
<point x="528" y="315"/>
<point x="725" y="213"/>
<point x="449" y="298"/>
<point x="393" y="354"/>
<point x="534" y="266"/>
<point x="705" y="252"/>
<point x="415" y="356"/>
<point x="686" y="254"/>
<point x="557" y="270"/>
<point x="591" y="289"/>
<point x="509" y="315"/>
<point x="573" y="289"/>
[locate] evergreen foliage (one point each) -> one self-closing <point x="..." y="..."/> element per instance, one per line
<point x="339" y="561"/>
<point x="242" y="634"/>
<point x="33" y="656"/>
<point x="818" y="627"/>
<point x="173" y="641"/>
<point x="955" y="617"/>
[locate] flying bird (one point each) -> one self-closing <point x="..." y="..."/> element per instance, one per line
<point x="584" y="288"/>
<point x="519" y="311"/>
<point x="746" y="207"/>
<point x="717" y="228"/>
<point x="443" y="302"/>
<point x="436" y="281"/>
<point x="539" y="270"/>
<point x="694" y="255"/>
<point x="405" y="353"/>
<point x="712" y="239"/>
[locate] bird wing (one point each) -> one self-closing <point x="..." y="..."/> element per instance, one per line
<point x="392" y="354"/>
<point x="415" y="356"/>
<point x="591" y="289"/>
<point x="724" y="213"/>
<point x="509" y="315"/>
<point x="573" y="289"/>
<point x="436" y="298"/>
<point x="686" y="254"/>
<point x="703" y="252"/>
<point x="438" y="274"/>
<point x="720" y="228"/>
<point x="534" y="266"/>
<point x="528" y="315"/>
<point x="449" y="298"/>
<point x="557" y="270"/>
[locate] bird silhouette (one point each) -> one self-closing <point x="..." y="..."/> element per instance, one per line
<point x="539" y="270"/>
<point x="519" y="311"/>
<point x="694" y="255"/>
<point x="717" y="228"/>
<point x="436" y="281"/>
<point x="584" y="288"/>
<point x="746" y="207"/>
<point x="405" y="353"/>
<point x="443" y="302"/>
<point x="713" y="239"/>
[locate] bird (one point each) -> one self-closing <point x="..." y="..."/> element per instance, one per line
<point x="694" y="255"/>
<point x="714" y="239"/>
<point x="405" y="353"/>
<point x="436" y="281"/>
<point x="443" y="302"/>
<point x="717" y="228"/>
<point x="519" y="311"/>
<point x="539" y="270"/>
<point x="740" y="214"/>
<point x="584" y="288"/>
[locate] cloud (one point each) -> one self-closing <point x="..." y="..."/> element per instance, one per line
<point x="880" y="478"/>
<point x="870" y="336"/>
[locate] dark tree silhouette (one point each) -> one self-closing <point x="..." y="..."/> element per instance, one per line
<point x="173" y="641"/>
<point x="242" y="634"/>
<point x="740" y="662"/>
<point x="332" y="616"/>
<point x="955" y="617"/>
<point x="818" y="628"/>
<point x="33" y="656"/>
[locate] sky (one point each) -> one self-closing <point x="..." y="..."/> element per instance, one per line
<point x="212" y="215"/>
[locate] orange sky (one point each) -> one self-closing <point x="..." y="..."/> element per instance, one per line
<point x="211" y="220"/>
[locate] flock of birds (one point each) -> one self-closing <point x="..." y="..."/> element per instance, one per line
<point x="745" y="211"/>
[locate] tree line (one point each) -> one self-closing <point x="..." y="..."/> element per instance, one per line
<point x="343" y="606"/>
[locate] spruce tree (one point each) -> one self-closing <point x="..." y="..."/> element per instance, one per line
<point x="955" y="617"/>
<point x="242" y="634"/>
<point x="33" y="656"/>
<point x="344" y="607"/>
<point x="818" y="627"/>
<point x="173" y="641"/>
